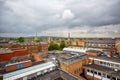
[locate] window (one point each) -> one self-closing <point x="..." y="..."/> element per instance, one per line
<point x="113" y="78"/>
<point x="104" y="63"/>
<point x="101" y="62"/>
<point x="75" y="72"/>
<point x="108" y="64"/>
<point x="103" y="75"/>
<point x="99" y="74"/>
<point x="95" y="72"/>
<point x="112" y="65"/>
<point x="91" y="71"/>
<point x="108" y="76"/>
<point x="88" y="70"/>
<point x="96" y="61"/>
<point x="117" y="66"/>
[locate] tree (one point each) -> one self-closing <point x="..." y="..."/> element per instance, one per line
<point x="37" y="40"/>
<point x="54" y="46"/>
<point x="62" y="44"/>
<point x="20" y="39"/>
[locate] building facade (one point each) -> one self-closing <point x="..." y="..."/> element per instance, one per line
<point x="100" y="44"/>
<point x="102" y="68"/>
<point x="6" y="53"/>
<point x="73" y="65"/>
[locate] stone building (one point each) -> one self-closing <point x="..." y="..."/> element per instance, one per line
<point x="72" y="63"/>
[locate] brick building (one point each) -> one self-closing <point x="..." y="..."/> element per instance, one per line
<point x="78" y="43"/>
<point x="6" y="53"/>
<point x="44" y="71"/>
<point x="117" y="45"/>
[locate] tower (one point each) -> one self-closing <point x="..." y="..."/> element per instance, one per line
<point x="36" y="38"/>
<point x="68" y="36"/>
<point x="49" y="40"/>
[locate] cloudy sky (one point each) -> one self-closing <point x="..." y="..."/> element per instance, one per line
<point x="81" y="18"/>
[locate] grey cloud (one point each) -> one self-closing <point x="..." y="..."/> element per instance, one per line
<point x="30" y="16"/>
<point x="97" y="12"/>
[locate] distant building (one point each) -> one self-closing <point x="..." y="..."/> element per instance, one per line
<point x="4" y="44"/>
<point x="117" y="45"/>
<point x="36" y="38"/>
<point x="68" y="41"/>
<point x="100" y="44"/>
<point x="68" y="36"/>
<point x="35" y="47"/>
<point x="77" y="43"/>
<point x="49" y="40"/>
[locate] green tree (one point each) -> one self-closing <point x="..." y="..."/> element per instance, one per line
<point x="37" y="40"/>
<point x="20" y="39"/>
<point x="62" y="44"/>
<point x="54" y="46"/>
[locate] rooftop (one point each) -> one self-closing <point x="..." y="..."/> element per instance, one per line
<point x="8" y="50"/>
<point x="75" y="49"/>
<point x="72" y="57"/>
<point x="57" y="74"/>
<point x="32" y="43"/>
<point x="102" y="41"/>
<point x="104" y="69"/>
<point x="67" y="56"/>
<point x="5" y="50"/>
<point x="15" y="60"/>
<point x="27" y="71"/>
<point x="93" y="51"/>
<point x="111" y="59"/>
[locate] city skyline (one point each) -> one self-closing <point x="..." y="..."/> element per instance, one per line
<point x="81" y="18"/>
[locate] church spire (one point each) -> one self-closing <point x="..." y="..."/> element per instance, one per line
<point x="68" y="36"/>
<point x="36" y="37"/>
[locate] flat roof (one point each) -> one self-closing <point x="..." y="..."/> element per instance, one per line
<point x="27" y="71"/>
<point x="56" y="74"/>
<point x="102" y="41"/>
<point x="111" y="59"/>
<point x="75" y="49"/>
<point x="93" y="50"/>
<point x="68" y="56"/>
<point x="103" y="69"/>
<point x="32" y="43"/>
<point x="72" y="58"/>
